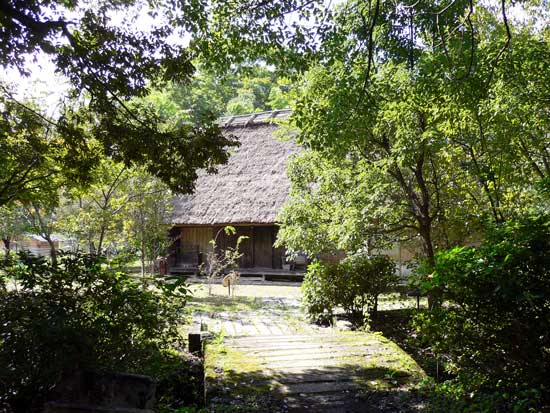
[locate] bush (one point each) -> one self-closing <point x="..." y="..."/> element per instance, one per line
<point x="317" y="291"/>
<point x="495" y="331"/>
<point x="372" y="275"/>
<point x="79" y="315"/>
<point x="353" y="284"/>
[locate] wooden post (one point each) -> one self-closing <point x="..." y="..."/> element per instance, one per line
<point x="400" y="261"/>
<point x="195" y="343"/>
<point x="253" y="246"/>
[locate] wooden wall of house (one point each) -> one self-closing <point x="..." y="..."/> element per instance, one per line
<point x="257" y="249"/>
<point x="196" y="236"/>
<point x="225" y="241"/>
<point x="278" y="253"/>
<point x="263" y="247"/>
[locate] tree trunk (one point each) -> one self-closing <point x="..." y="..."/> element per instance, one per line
<point x="53" y="251"/>
<point x="434" y="295"/>
<point x="100" y="242"/>
<point x="426" y="234"/>
<point x="142" y="258"/>
<point x="7" y="245"/>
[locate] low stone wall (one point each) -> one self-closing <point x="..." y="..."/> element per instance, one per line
<point x="91" y="391"/>
<point x="100" y="391"/>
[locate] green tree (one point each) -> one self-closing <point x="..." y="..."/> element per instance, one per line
<point x="425" y="120"/>
<point x="393" y="138"/>
<point x="493" y="335"/>
<point x="42" y="220"/>
<point x="295" y="35"/>
<point x="110" y="65"/>
<point x="146" y="215"/>
<point x="279" y="95"/>
<point x="334" y="206"/>
<point x="12" y="224"/>
<point x="496" y="121"/>
<point x="240" y="90"/>
<point x="123" y="210"/>
<point x="33" y="159"/>
<point x="242" y="103"/>
<point x="205" y="96"/>
<point x="93" y="215"/>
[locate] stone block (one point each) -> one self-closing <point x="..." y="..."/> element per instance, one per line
<point x="106" y="390"/>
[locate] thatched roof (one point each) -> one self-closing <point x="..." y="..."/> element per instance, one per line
<point x="251" y="187"/>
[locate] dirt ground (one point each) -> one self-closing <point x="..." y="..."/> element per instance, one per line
<point x="265" y="290"/>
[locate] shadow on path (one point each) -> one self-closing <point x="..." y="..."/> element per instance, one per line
<point x="343" y="388"/>
<point x="338" y="372"/>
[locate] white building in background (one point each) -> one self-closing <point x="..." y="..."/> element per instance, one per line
<point x="37" y="245"/>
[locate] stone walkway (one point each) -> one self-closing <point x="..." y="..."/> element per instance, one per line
<point x="273" y="317"/>
<point x="269" y="359"/>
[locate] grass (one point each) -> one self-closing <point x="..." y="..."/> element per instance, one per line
<point x="219" y="303"/>
<point x="398" y="301"/>
<point x="399" y="367"/>
<point x="249" y="298"/>
<point x="395" y="325"/>
<point x="248" y="291"/>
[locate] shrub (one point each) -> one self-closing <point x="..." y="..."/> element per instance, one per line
<point x="317" y="291"/>
<point x="373" y="275"/>
<point x="495" y="331"/>
<point x="219" y="261"/>
<point x="353" y="284"/>
<point x="79" y="315"/>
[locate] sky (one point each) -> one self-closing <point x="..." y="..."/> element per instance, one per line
<point x="49" y="87"/>
<point x="45" y="85"/>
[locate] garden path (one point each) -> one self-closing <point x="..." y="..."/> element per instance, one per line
<point x="267" y="358"/>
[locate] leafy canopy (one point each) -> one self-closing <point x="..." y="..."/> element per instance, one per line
<point x="417" y="135"/>
<point x="110" y="65"/>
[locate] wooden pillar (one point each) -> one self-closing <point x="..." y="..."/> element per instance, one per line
<point x="253" y="246"/>
<point x="273" y="265"/>
<point x="195" y="343"/>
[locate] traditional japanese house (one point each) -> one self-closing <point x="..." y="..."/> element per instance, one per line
<point x="246" y="193"/>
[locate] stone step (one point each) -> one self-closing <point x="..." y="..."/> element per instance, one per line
<point x="332" y="408"/>
<point x="286" y="337"/>
<point x="327" y="373"/>
<point x="346" y="404"/>
<point x="338" y="402"/>
<point x="246" y="343"/>
<point x="268" y="359"/>
<point x="320" y="387"/>
<point x="309" y="349"/>
<point x="317" y="377"/>
<point x="318" y="338"/>
<point x="308" y="369"/>
<point x="262" y="328"/>
<point x="322" y="399"/>
<point x="282" y="366"/>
